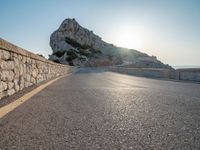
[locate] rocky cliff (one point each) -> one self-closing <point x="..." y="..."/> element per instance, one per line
<point x="74" y="45"/>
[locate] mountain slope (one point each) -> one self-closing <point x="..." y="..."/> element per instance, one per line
<point x="75" y="45"/>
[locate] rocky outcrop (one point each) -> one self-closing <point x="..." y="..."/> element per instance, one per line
<point x="74" y="45"/>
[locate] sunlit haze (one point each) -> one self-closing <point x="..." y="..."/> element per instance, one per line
<point x="168" y="29"/>
<point x="129" y="36"/>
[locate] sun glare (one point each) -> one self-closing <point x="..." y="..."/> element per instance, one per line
<point x="129" y="37"/>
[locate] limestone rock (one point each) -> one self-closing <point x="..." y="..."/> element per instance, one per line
<point x="7" y="65"/>
<point x="71" y="40"/>
<point x="3" y="86"/>
<point x="16" y="85"/>
<point x="11" y="92"/>
<point x="4" y="55"/>
<point x="10" y="85"/>
<point x="28" y="77"/>
<point x="75" y="45"/>
<point x="20" y="68"/>
<point x="34" y="73"/>
<point x="7" y="75"/>
<point x="16" y="72"/>
<point x="21" y="82"/>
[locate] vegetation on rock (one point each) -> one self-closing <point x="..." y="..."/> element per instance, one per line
<point x="74" y="45"/>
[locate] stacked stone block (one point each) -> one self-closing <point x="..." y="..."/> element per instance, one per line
<point x="20" y="69"/>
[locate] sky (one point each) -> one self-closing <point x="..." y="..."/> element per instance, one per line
<point x="168" y="29"/>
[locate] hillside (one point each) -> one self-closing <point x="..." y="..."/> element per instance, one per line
<point x="75" y="45"/>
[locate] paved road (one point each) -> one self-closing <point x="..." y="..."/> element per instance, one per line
<point x="106" y="111"/>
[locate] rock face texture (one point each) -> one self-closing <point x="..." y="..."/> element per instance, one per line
<point x="20" y="69"/>
<point x="75" y="45"/>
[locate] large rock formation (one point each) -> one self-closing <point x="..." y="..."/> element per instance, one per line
<point x="74" y="45"/>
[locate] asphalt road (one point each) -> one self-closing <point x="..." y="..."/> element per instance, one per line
<point x="106" y="110"/>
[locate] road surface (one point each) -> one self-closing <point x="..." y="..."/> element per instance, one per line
<point x="106" y="110"/>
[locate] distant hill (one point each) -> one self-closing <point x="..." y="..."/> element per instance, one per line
<point x="75" y="45"/>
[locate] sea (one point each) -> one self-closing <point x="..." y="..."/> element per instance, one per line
<point x="185" y="66"/>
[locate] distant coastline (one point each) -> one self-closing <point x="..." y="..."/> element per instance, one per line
<point x="185" y="66"/>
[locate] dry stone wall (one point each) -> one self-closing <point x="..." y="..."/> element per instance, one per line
<point x="20" y="69"/>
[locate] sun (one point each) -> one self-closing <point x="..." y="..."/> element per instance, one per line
<point x="129" y="37"/>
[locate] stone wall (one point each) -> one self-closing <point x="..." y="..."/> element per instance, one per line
<point x="144" y="72"/>
<point x="179" y="74"/>
<point x="188" y="74"/>
<point x="20" y="69"/>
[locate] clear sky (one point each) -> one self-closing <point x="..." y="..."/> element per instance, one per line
<point x="168" y="29"/>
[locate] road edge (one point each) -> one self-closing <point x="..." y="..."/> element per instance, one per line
<point x="11" y="106"/>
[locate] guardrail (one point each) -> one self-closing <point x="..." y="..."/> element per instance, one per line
<point x="144" y="72"/>
<point x="190" y="74"/>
